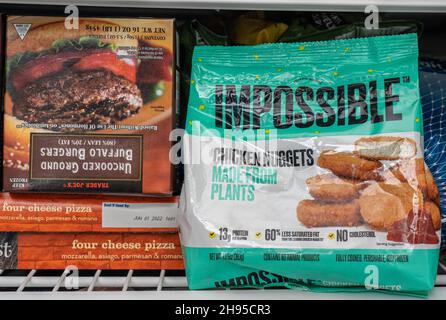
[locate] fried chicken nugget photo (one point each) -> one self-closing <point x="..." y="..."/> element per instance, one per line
<point x="313" y="213"/>
<point x="381" y="204"/>
<point x="417" y="174"/>
<point x="386" y="148"/>
<point x="435" y="214"/>
<point x="349" y="165"/>
<point x="330" y="188"/>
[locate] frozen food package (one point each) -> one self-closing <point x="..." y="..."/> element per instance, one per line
<point x="254" y="28"/>
<point x="433" y="100"/>
<point x="106" y="251"/>
<point x="88" y="107"/>
<point x="207" y="31"/>
<point x="304" y="168"/>
<point x="2" y="65"/>
<point x="330" y="25"/>
<point x="45" y="212"/>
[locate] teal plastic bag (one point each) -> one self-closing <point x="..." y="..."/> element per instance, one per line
<point x="304" y="168"/>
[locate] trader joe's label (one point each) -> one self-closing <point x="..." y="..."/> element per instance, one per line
<point x="85" y="157"/>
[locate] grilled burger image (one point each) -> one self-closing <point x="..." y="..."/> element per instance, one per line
<point x="78" y="83"/>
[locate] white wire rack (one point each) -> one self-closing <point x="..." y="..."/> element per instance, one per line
<point x="156" y="286"/>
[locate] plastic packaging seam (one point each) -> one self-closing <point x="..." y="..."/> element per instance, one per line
<point x="378" y="49"/>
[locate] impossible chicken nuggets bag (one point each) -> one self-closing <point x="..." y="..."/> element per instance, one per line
<point x="304" y="168"/>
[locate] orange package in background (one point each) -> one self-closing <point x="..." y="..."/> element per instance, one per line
<point x="88" y="109"/>
<point x="25" y="212"/>
<point x="106" y="251"/>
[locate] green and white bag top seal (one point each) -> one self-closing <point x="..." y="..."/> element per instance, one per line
<point x="304" y="168"/>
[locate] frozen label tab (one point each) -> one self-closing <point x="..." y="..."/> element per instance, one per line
<point x="139" y="215"/>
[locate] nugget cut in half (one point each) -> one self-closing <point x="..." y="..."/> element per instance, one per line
<point x="386" y="148"/>
<point x="330" y="188"/>
<point x="383" y="204"/>
<point x="349" y="165"/>
<point x="313" y="213"/>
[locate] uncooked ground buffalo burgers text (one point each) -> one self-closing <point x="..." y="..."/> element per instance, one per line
<point x="89" y="97"/>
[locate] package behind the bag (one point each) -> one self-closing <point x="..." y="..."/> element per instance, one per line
<point x="433" y="101"/>
<point x="304" y="168"/>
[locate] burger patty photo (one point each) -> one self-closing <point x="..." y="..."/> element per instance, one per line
<point x="86" y="97"/>
<point x="80" y="78"/>
<point x="73" y="83"/>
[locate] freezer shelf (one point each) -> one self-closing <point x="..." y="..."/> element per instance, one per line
<point x="162" y="287"/>
<point x="297" y="5"/>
